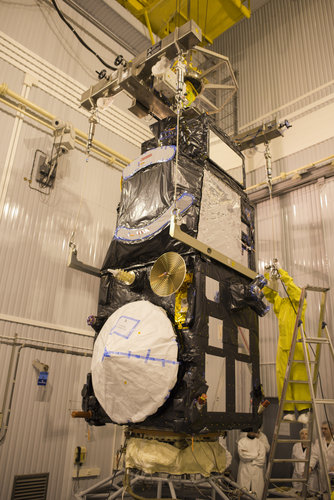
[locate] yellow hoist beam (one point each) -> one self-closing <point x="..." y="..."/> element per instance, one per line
<point x="212" y="16"/>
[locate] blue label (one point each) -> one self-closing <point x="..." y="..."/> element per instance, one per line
<point x="43" y="378"/>
<point x="124" y="327"/>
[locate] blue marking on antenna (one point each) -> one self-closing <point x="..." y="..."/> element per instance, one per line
<point x="129" y="354"/>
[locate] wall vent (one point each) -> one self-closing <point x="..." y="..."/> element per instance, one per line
<point x="30" y="487"/>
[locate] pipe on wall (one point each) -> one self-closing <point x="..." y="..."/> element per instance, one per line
<point x="61" y="86"/>
<point x="41" y="324"/>
<point x="45" y="118"/>
<point x="294" y="179"/>
<point x="14" y="344"/>
<point x="13" y="142"/>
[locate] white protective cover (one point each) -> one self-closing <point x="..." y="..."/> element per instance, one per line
<point x="134" y="365"/>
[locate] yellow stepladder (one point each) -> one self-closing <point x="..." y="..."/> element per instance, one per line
<point x="322" y="339"/>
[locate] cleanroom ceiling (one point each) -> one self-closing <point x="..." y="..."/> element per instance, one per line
<point x="120" y="19"/>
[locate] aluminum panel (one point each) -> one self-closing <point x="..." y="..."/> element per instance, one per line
<point x="220" y="217"/>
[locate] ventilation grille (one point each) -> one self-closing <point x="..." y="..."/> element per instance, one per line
<point x="30" y="487"/>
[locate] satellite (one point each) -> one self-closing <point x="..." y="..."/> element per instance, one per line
<point x="176" y="349"/>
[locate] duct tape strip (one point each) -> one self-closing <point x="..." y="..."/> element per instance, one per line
<point x="146" y="358"/>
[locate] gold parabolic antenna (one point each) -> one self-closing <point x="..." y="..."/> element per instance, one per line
<point x="167" y="274"/>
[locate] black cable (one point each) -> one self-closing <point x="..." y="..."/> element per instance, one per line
<point x="33" y="163"/>
<point x="79" y="37"/>
<point x="53" y="163"/>
<point x="200" y="492"/>
<point x="112" y="487"/>
<point x="228" y="488"/>
<point x="39" y="190"/>
<point x="252" y="137"/>
<point x="293" y="307"/>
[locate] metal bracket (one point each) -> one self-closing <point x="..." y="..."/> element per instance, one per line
<point x="41" y="367"/>
<point x="176" y="232"/>
<point x="74" y="263"/>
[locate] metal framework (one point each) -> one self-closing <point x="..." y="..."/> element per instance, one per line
<point x="177" y="233"/>
<point x="121" y="483"/>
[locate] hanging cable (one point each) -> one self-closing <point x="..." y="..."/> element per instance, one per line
<point x="62" y="17"/>
<point x="92" y="123"/>
<point x="180" y="73"/>
<point x="71" y="243"/>
<point x="176" y="157"/>
<point x="267" y="156"/>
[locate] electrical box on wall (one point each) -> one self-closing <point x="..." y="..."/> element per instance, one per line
<point x="43" y="372"/>
<point x="43" y="378"/>
<point x="80" y="454"/>
<point x="46" y="172"/>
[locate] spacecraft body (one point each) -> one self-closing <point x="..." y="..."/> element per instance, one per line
<point x="185" y="362"/>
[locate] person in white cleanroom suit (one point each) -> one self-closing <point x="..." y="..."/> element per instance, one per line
<point x="222" y="442"/>
<point x="252" y="454"/>
<point x="327" y="429"/>
<point x="262" y="437"/>
<point x="299" y="453"/>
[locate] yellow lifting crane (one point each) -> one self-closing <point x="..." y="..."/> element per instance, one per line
<point x="212" y="16"/>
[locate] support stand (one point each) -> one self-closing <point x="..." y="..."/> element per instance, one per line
<point x="166" y="486"/>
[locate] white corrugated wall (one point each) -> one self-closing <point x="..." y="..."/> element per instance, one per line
<point x="43" y="302"/>
<point x="268" y="51"/>
<point x="284" y="56"/>
<point x="296" y="229"/>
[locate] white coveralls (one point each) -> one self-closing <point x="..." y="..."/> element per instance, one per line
<point x="222" y="442"/>
<point x="262" y="437"/>
<point x="298" y="471"/>
<point x="286" y="321"/>
<point x="252" y="453"/>
<point x="329" y="455"/>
